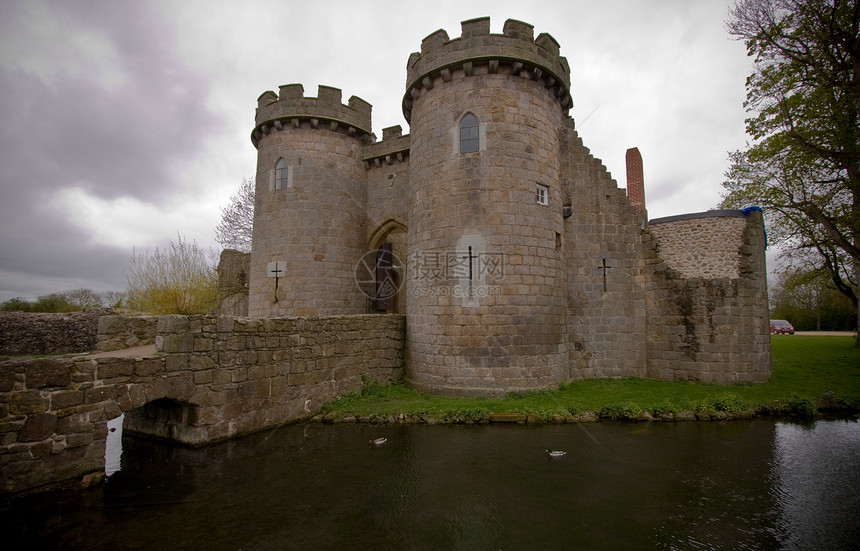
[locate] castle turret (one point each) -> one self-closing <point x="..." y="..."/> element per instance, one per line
<point x="486" y="281"/>
<point x="309" y="212"/>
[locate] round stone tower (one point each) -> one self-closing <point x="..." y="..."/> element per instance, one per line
<point x="486" y="281"/>
<point x="309" y="211"/>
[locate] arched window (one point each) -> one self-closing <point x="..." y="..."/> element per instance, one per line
<point x="469" y="134"/>
<point x="282" y="175"/>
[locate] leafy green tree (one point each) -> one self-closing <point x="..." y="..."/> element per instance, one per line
<point x="237" y="219"/>
<point x="808" y="299"/>
<point x="803" y="165"/>
<point x="54" y="302"/>
<point x="16" y="304"/>
<point x="182" y="279"/>
<point x="69" y="301"/>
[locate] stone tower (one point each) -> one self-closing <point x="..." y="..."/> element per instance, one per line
<point x="309" y="212"/>
<point x="524" y="263"/>
<point x="487" y="282"/>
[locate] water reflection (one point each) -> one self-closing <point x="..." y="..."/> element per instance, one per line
<point x="815" y="483"/>
<point x="741" y="485"/>
<point x="113" y="446"/>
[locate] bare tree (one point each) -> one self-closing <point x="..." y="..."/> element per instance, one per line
<point x="237" y="219"/>
<point x="114" y="299"/>
<point x="84" y="298"/>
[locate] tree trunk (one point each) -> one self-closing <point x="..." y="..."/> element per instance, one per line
<point x="857" y="291"/>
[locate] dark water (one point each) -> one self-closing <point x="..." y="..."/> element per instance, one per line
<point x="738" y="485"/>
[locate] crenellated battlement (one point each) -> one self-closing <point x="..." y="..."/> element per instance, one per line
<point x="394" y="147"/>
<point x="514" y="52"/>
<point x="517" y="259"/>
<point x="291" y="107"/>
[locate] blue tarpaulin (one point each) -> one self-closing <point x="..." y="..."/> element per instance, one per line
<point x="749" y="210"/>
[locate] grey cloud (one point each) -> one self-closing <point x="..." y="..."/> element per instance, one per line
<point x="69" y="130"/>
<point x="114" y="142"/>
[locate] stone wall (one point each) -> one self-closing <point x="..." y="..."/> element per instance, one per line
<point x="40" y="333"/>
<point x="257" y="373"/>
<point x="233" y="269"/>
<point x="119" y="332"/>
<point x="227" y="376"/>
<point x="712" y="330"/>
<point x="702" y="245"/>
<point x="602" y="249"/>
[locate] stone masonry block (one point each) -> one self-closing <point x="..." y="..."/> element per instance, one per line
<point x="65" y="399"/>
<point x="7" y="377"/>
<point x="109" y="325"/>
<point x="27" y="402"/>
<point x="149" y="367"/>
<point x="99" y="394"/>
<point x="38" y="427"/>
<point x="78" y="440"/>
<point x="109" y="368"/>
<point x="173" y="323"/>
<point x="45" y="372"/>
<point x="173" y="343"/>
<point x="203" y="344"/>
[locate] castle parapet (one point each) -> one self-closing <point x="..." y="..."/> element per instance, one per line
<point x="394" y="147"/>
<point x="290" y="106"/>
<point x="515" y="52"/>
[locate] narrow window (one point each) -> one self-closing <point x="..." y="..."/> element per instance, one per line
<point x="282" y="173"/>
<point x="542" y="195"/>
<point x="469" y="134"/>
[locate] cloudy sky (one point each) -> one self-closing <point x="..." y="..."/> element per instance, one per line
<point x="126" y="123"/>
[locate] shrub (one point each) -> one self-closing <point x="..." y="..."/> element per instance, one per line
<point x="625" y="411"/>
<point x="180" y="280"/>
<point x="801" y="406"/>
<point x="728" y="402"/>
<point x="663" y="408"/>
<point x="463" y="415"/>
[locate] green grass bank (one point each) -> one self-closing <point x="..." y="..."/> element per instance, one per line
<point x="812" y="375"/>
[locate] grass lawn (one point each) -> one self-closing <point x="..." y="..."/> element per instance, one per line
<point x="809" y="372"/>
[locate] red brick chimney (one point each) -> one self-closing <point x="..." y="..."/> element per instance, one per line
<point x="636" y="183"/>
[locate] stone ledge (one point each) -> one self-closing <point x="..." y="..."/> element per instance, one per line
<point x="722" y="213"/>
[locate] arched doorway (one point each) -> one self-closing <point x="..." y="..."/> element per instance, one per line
<point x="386" y="268"/>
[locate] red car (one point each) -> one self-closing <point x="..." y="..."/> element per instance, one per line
<point x="778" y="327"/>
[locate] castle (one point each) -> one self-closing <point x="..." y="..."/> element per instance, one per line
<point x="516" y="259"/>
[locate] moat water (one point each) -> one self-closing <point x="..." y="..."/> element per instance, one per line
<point x="698" y="485"/>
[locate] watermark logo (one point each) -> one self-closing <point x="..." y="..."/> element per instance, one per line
<point x="442" y="266"/>
<point x="379" y="274"/>
<point x="467" y="274"/>
<point x="429" y="289"/>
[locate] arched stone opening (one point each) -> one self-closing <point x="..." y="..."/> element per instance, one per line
<point x="387" y="252"/>
<point x="163" y="419"/>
